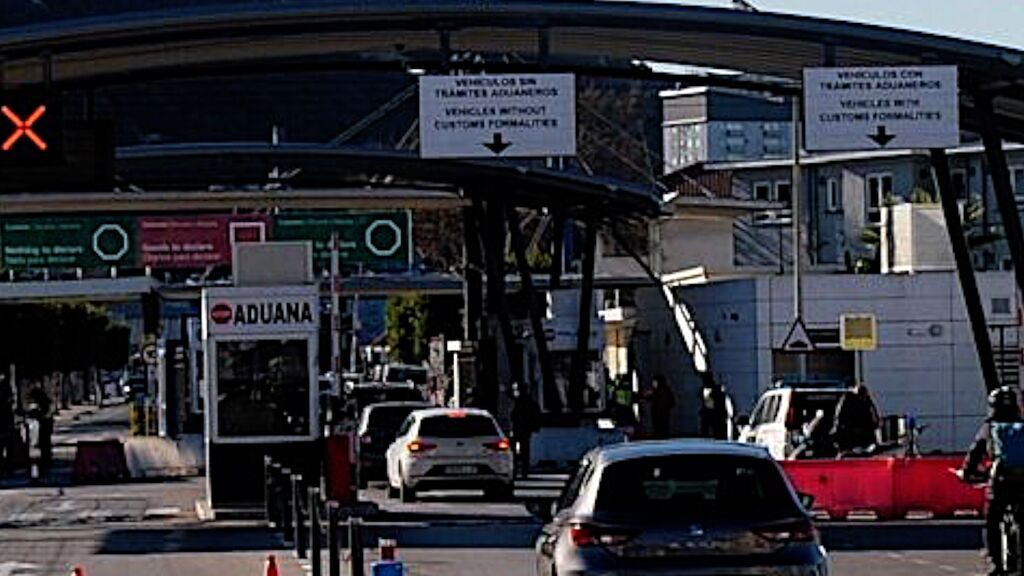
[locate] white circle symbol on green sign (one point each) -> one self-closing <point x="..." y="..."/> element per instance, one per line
<point x="377" y="250"/>
<point x="116" y="230"/>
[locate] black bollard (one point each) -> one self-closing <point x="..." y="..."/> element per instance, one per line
<point x="333" y="542"/>
<point x="300" y="527"/>
<point x="268" y="493"/>
<point x="285" y="502"/>
<point x="314" y="531"/>
<point x="355" y="546"/>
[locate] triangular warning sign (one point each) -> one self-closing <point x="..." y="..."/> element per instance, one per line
<point x="798" y="340"/>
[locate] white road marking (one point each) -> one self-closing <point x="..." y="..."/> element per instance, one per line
<point x="27" y="517"/>
<point x="64" y="506"/>
<point x="15" y="568"/>
<point x="162" y="511"/>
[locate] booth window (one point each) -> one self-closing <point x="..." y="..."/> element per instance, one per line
<point x="263" y="388"/>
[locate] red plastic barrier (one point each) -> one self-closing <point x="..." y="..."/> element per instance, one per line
<point x="926" y="484"/>
<point x="840" y="487"/>
<point x="339" y="458"/>
<point x="890" y="488"/>
<point x="99" y="461"/>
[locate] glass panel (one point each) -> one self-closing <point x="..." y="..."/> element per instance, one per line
<point x="263" y="388"/>
<point x="464" y="426"/>
<point x="695" y="487"/>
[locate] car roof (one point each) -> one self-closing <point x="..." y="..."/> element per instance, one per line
<point x="681" y="447"/>
<point x="398" y="404"/>
<point x="429" y="412"/>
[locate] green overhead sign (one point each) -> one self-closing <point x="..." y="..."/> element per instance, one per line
<point x="380" y="241"/>
<point x="68" y="242"/>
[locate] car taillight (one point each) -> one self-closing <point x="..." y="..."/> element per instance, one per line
<point x="502" y="445"/>
<point x="586" y="535"/>
<point x="419" y="446"/>
<point x="790" y="531"/>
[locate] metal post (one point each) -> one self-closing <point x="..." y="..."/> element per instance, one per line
<point x="1003" y="189"/>
<point x="796" y="195"/>
<point x="314" y="532"/>
<point x="355" y="546"/>
<point x="335" y="305"/>
<point x="536" y="320"/>
<point x="333" y="542"/>
<point x="287" y="508"/>
<point x="268" y="493"/>
<point x="962" y="256"/>
<point x="497" y="304"/>
<point x="586" y="300"/>
<point x="354" y="351"/>
<point x="300" y="532"/>
<point x="557" y="258"/>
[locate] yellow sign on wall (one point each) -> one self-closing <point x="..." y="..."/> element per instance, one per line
<point x="858" y="332"/>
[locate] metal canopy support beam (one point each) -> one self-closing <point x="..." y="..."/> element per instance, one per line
<point x="497" y="306"/>
<point x="964" y="268"/>
<point x="1003" y="188"/>
<point x="578" y="377"/>
<point x="472" y="286"/>
<point x="557" y="237"/>
<point x="530" y="293"/>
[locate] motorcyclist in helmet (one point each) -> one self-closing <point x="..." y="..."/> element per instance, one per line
<point x="1004" y="408"/>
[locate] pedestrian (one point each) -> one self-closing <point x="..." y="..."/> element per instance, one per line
<point x="714" y="413"/>
<point x="662" y="402"/>
<point x="8" y="428"/>
<point x="41" y="410"/>
<point x="525" y="421"/>
<point x="856" y="421"/>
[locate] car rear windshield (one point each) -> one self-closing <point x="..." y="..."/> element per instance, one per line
<point x="467" y="426"/>
<point x="387" y="419"/>
<point x="695" y="487"/>
<point x="806" y="405"/>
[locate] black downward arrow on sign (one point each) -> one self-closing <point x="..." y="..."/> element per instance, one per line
<point x="497" y="144"/>
<point x="881" y="137"/>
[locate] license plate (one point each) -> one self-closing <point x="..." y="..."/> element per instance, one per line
<point x="460" y="470"/>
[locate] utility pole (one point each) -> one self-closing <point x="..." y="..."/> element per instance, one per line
<point x="796" y="191"/>
<point x="353" y="353"/>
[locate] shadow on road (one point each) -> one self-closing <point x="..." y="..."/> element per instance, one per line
<point x="196" y="539"/>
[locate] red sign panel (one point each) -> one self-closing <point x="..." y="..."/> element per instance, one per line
<point x="221" y="313"/>
<point x="196" y="242"/>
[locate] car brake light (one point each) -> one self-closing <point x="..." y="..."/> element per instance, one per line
<point x="586" y="535"/>
<point x="786" y="532"/>
<point x="457" y="414"/>
<point x="417" y="446"/>
<point x="502" y="445"/>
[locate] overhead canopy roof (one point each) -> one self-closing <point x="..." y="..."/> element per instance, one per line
<point x="612" y="38"/>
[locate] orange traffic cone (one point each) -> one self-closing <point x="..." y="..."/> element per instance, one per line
<point x="77" y="571"/>
<point x="271" y="569"/>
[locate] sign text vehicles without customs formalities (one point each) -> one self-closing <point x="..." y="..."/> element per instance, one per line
<point x="503" y="115"/>
<point x="880" y="107"/>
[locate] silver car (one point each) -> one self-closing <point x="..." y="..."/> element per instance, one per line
<point x="682" y="508"/>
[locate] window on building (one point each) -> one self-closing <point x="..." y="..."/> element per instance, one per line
<point x="833" y="196"/>
<point x="1000" y="305"/>
<point x="1017" y="181"/>
<point x="783" y="192"/>
<point x="762" y="191"/>
<point x="959" y="177"/>
<point x="878" y="187"/>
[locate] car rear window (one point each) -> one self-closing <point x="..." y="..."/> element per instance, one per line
<point x="467" y="426"/>
<point x="695" y="487"/>
<point x="389" y="418"/>
<point x="806" y="406"/>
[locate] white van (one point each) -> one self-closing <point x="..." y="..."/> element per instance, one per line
<point x="777" y="421"/>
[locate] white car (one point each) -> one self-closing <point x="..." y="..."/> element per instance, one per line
<point x="442" y="448"/>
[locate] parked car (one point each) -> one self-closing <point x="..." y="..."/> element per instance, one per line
<point x="378" y="427"/>
<point x="450" y="448"/>
<point x="781" y="414"/>
<point x="686" y="507"/>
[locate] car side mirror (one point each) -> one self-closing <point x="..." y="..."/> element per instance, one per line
<point x="806" y="500"/>
<point x="743" y="421"/>
<point x="542" y="508"/>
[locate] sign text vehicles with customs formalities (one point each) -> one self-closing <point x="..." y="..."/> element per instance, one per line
<point x="871" y="108"/>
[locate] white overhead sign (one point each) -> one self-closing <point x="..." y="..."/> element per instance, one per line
<point x="506" y="115"/>
<point x="875" y="108"/>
